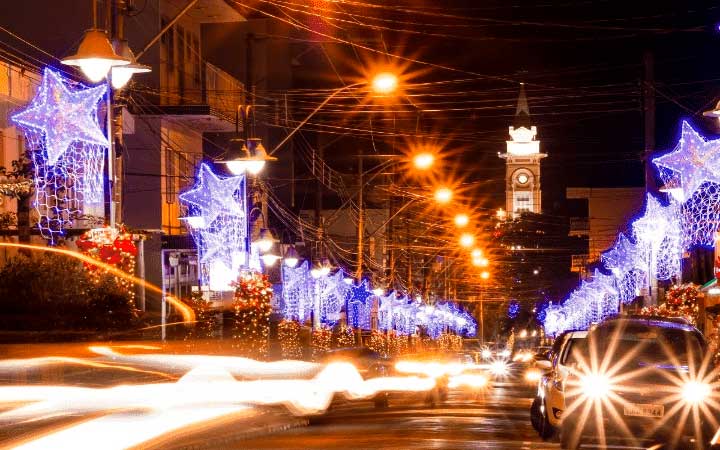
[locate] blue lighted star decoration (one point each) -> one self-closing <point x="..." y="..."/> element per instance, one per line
<point x="694" y="158"/>
<point x="653" y="224"/>
<point x="63" y="115"/>
<point x="361" y="292"/>
<point x="215" y="196"/>
<point x="622" y="257"/>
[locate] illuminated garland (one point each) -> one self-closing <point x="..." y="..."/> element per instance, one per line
<point x="252" y="308"/>
<point x="345" y="337"/>
<point x="321" y="341"/>
<point x="206" y="318"/>
<point x="114" y="247"/>
<point x="378" y="342"/>
<point x="289" y="336"/>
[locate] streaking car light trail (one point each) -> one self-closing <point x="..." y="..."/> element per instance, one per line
<point x="133" y="414"/>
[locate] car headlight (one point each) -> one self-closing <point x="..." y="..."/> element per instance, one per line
<point x="499" y="368"/>
<point x="595" y="385"/>
<point x="695" y="392"/>
<point x="532" y="375"/>
<point x="486" y="354"/>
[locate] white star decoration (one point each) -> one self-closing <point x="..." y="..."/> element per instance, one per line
<point x="215" y="196"/>
<point x="653" y="224"/>
<point x="63" y="115"/>
<point x="694" y="159"/>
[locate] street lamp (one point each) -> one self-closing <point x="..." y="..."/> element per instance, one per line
<point x="292" y="258"/>
<point x="467" y="240"/>
<point x="462" y="220"/>
<point x="423" y="160"/>
<point x="485" y="275"/>
<point x="265" y="241"/>
<point x="384" y="83"/>
<point x="254" y="162"/>
<point x="121" y="74"/>
<point x="95" y="55"/>
<point x="476" y="253"/>
<point x="443" y="195"/>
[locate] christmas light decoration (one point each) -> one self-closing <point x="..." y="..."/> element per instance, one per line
<point x="695" y="159"/>
<point x="114" y="247"/>
<point x="252" y="308"/>
<point x="321" y="341"/>
<point x="680" y="301"/>
<point x="297" y="293"/>
<point x="345" y="337"/>
<point x="221" y="233"/>
<point x="289" y="337"/>
<point x="67" y="148"/>
<point x="700" y="215"/>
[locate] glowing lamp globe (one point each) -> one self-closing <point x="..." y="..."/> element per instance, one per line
<point x="292" y="258"/>
<point x="423" y="161"/>
<point x="266" y="240"/>
<point x="269" y="260"/>
<point x="485" y="275"/>
<point x="378" y="291"/>
<point x="443" y="195"/>
<point x="121" y="75"/>
<point x="462" y="220"/>
<point x="476" y="253"/>
<point x="95" y="56"/>
<point x="384" y="83"/>
<point x="467" y="240"/>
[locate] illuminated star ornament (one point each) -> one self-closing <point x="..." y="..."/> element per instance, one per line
<point x="694" y="159"/>
<point x="67" y="148"/>
<point x="214" y="195"/>
<point x="221" y="231"/>
<point x="63" y="115"/>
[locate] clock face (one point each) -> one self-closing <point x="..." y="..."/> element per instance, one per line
<point x="522" y="178"/>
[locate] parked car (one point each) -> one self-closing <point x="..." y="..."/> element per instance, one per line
<point x="548" y="406"/>
<point x="643" y="379"/>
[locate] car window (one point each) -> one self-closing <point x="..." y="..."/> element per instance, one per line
<point x="570" y="352"/>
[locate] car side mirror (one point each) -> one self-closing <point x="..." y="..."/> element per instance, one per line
<point x="543" y="364"/>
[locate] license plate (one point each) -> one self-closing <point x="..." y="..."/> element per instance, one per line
<point x="644" y="410"/>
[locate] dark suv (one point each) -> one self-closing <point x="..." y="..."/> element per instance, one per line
<point x="639" y="379"/>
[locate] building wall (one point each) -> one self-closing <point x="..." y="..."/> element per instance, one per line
<point x="610" y="211"/>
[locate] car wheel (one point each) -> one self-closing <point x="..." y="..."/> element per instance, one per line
<point x="535" y="416"/>
<point x="546" y="431"/>
<point x="570" y="436"/>
<point x="381" y="401"/>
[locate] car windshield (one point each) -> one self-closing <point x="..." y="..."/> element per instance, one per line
<point x="651" y="345"/>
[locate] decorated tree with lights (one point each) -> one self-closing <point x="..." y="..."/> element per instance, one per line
<point x="206" y="317"/>
<point x="344" y="337"/>
<point x="251" y="308"/>
<point x="680" y="301"/>
<point x="289" y="336"/>
<point x="321" y="341"/>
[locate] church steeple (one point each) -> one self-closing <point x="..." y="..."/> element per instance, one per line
<point x="522" y="112"/>
<point x="522" y="167"/>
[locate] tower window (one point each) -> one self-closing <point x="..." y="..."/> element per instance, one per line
<point x="522" y="202"/>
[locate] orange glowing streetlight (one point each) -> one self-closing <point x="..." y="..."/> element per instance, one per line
<point x="423" y="160"/>
<point x="384" y="83"/>
<point x="462" y="220"/>
<point x="480" y="262"/>
<point x="485" y="275"/>
<point x="476" y="253"/>
<point x="467" y="240"/>
<point x="443" y="195"/>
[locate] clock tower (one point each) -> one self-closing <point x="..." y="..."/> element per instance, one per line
<point x="522" y="162"/>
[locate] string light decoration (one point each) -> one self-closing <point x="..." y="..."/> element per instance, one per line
<point x="345" y="337"/>
<point x="695" y="160"/>
<point x="114" y="247"/>
<point x="297" y="292"/>
<point x="219" y="227"/>
<point x="360" y="305"/>
<point x="67" y="148"/>
<point x="700" y="215"/>
<point x="332" y="291"/>
<point x="378" y="342"/>
<point x="321" y="341"/>
<point x="252" y="308"/>
<point x="206" y="316"/>
<point x="289" y="337"/>
<point x="680" y="301"/>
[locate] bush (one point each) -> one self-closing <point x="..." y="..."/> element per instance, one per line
<point x="55" y="293"/>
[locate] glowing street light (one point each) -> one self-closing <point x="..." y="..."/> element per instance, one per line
<point x="423" y="160"/>
<point x="292" y="258"/>
<point x="443" y="195"/>
<point x="476" y="253"/>
<point x="384" y="83"/>
<point x="462" y="220"/>
<point x="95" y="56"/>
<point x="467" y="240"/>
<point x="485" y="275"/>
<point x="266" y="240"/>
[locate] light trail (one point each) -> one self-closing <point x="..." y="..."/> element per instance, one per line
<point x="187" y="313"/>
<point x="133" y="414"/>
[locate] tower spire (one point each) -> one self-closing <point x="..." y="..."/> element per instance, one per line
<point x="522" y="112"/>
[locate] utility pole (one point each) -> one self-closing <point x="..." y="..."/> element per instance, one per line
<point x="361" y="220"/>
<point x="648" y="92"/>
